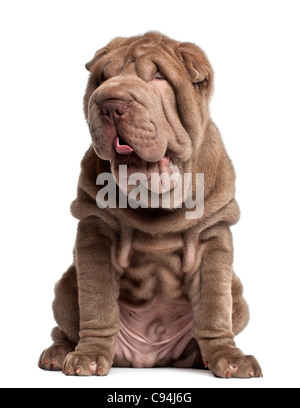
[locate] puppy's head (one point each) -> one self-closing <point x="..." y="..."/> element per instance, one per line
<point x="146" y="105"/>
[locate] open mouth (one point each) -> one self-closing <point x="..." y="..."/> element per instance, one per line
<point x="159" y="176"/>
<point x="121" y="147"/>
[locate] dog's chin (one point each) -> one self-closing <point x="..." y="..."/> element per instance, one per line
<point x="131" y="171"/>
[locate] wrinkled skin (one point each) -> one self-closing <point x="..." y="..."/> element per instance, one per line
<point x="148" y="286"/>
<point x="149" y="125"/>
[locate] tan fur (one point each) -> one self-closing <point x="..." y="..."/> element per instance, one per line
<point x="134" y="256"/>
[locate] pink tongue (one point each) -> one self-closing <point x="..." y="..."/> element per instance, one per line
<point x="122" y="149"/>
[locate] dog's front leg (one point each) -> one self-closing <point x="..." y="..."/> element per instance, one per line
<point x="97" y="296"/>
<point x="211" y="297"/>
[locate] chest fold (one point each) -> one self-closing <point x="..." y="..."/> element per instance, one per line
<point x="130" y="242"/>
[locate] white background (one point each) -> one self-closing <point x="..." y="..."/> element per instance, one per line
<point x="254" y="49"/>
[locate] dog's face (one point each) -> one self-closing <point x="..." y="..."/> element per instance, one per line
<point x="146" y="105"/>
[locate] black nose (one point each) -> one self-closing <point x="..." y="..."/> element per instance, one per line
<point x="113" y="108"/>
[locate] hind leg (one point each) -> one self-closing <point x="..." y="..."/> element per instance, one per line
<point x="52" y="358"/>
<point x="240" y="310"/>
<point x="66" y="313"/>
<point x="191" y="357"/>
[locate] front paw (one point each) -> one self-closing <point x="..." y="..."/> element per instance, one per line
<point x="78" y="363"/>
<point x="232" y="363"/>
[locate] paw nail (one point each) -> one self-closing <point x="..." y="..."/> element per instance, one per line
<point x="228" y="374"/>
<point x="100" y="371"/>
<point x="78" y="370"/>
<point x="251" y="374"/>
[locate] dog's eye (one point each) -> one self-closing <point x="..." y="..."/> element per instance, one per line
<point x="101" y="78"/>
<point x="158" y="75"/>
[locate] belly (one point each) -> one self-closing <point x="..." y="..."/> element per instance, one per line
<point x="152" y="334"/>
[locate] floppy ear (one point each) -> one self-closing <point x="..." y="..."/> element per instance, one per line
<point x="100" y="53"/>
<point x="197" y="66"/>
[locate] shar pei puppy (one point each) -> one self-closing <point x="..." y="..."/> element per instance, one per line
<point x="152" y="283"/>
